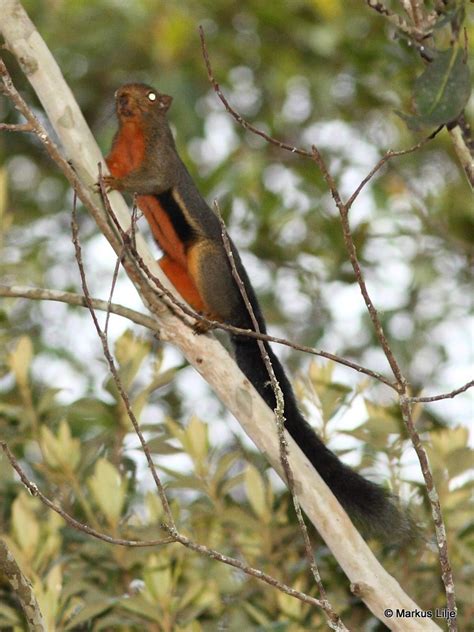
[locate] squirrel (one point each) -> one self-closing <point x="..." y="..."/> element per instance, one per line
<point x="144" y="160"/>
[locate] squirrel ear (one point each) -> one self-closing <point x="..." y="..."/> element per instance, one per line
<point x="165" y="102"/>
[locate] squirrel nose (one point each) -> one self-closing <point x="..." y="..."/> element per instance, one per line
<point x="123" y="100"/>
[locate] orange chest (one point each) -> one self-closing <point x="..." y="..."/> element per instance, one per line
<point x="162" y="228"/>
<point x="128" y="150"/>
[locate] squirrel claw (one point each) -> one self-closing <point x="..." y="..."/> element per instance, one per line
<point x="201" y="327"/>
<point x="111" y="183"/>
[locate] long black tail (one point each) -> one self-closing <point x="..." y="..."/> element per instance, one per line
<point x="373" y="509"/>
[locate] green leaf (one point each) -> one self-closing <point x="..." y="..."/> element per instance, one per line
<point x="47" y="400"/>
<point x="460" y="461"/>
<point x="93" y="412"/>
<point x="232" y="482"/>
<point x="441" y="91"/>
<point x="19" y="360"/>
<point x="25" y="526"/>
<point x="48" y="594"/>
<point x="161" y="446"/>
<point x="176" y="430"/>
<point x="192" y="593"/>
<point x="447" y="441"/>
<point x="255" y="488"/>
<point x="108" y="489"/>
<point x="376" y="429"/>
<point x="130" y="352"/>
<point x="143" y="396"/>
<point x="8" y="616"/>
<point x="196" y="444"/>
<point x="154" y="508"/>
<point x="225" y="464"/>
<point x="139" y="605"/>
<point x="290" y="606"/>
<point x="257" y="614"/>
<point x="331" y="394"/>
<point x="61" y="451"/>
<point x="158" y="580"/>
<point x="92" y="608"/>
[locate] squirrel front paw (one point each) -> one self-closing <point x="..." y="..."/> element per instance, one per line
<point x="111" y="183"/>
<point x="201" y="327"/>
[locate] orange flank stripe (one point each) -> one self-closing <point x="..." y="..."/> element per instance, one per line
<point x="183" y="283"/>
<point x="162" y="229"/>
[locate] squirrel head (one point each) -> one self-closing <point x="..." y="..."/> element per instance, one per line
<point x="138" y="101"/>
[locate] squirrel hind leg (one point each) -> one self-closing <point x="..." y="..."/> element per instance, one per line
<point x="209" y="268"/>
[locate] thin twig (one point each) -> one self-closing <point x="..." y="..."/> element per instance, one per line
<point x="416" y="32"/>
<point x="70" y="298"/>
<point x="334" y="619"/>
<point x="351" y="249"/>
<point x="174" y="536"/>
<point x="113" y="369"/>
<point x="437" y="398"/>
<point x="446" y="569"/>
<point x="385" y="158"/>
<point x="236" y="115"/>
<point x="15" y="127"/>
<point x="440" y="529"/>
<point x="401" y="382"/>
<point x="111" y="293"/>
<point x="118" y="264"/>
<point x="179" y="308"/>
<point x="35" y="491"/>
<point x="249" y="570"/>
<point x="291" y="148"/>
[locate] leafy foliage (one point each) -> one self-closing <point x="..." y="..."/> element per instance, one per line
<point x="442" y="90"/>
<point x="218" y="499"/>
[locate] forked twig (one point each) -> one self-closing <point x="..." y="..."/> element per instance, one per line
<point x="292" y="148"/>
<point x="179" y="308"/>
<point x="72" y="522"/>
<point x="174" y="536"/>
<point x="114" y="372"/>
<point x="333" y="618"/>
<point x="401" y="382"/>
<point x="71" y="298"/>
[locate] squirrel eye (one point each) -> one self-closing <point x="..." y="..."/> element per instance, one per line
<point x="151" y="96"/>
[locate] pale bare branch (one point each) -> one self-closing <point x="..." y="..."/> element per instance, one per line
<point x="22" y="588"/>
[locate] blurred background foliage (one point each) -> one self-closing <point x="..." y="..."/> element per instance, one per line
<point x="308" y="71"/>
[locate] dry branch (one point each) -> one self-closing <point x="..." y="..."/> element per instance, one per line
<point x="72" y="522"/>
<point x="333" y="618"/>
<point x="402" y="385"/>
<point x="22" y="588"/>
<point x="70" y="298"/>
